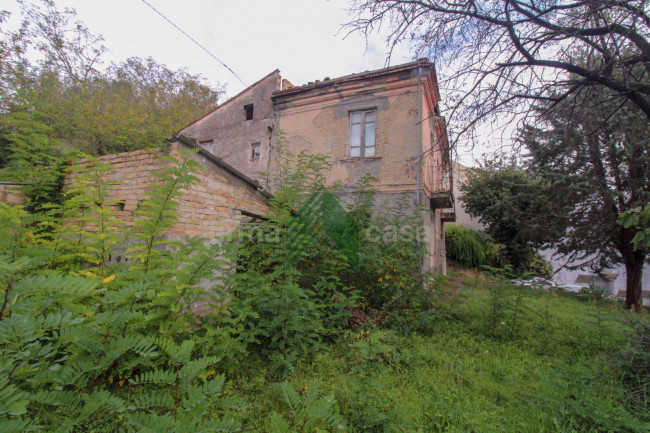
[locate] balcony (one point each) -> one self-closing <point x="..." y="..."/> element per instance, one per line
<point x="442" y="200"/>
<point x="448" y="216"/>
<point x="442" y="193"/>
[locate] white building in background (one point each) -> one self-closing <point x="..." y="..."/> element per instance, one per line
<point x="462" y="217"/>
<point x="566" y="276"/>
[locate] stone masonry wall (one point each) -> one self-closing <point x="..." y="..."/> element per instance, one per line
<point x="212" y="207"/>
<point x="227" y="135"/>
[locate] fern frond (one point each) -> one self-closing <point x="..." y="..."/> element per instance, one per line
<point x="153" y="400"/>
<point x="142" y="422"/>
<point x="291" y="397"/>
<point x="159" y="377"/>
<point x="192" y="368"/>
<point x="16" y="425"/>
<point x="56" y="398"/>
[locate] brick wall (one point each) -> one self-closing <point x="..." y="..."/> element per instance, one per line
<point x="212" y="207"/>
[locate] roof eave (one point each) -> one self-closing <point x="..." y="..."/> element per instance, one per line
<point x="352" y="78"/>
<point x="221" y="163"/>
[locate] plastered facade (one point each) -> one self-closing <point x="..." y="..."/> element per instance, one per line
<point x="411" y="142"/>
<point x="225" y="133"/>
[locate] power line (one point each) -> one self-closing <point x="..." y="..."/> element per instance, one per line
<point x="241" y="80"/>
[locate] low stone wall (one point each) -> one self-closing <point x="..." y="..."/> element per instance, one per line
<point x="212" y="207"/>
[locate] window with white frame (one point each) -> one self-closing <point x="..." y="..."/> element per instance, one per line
<point x="362" y="133"/>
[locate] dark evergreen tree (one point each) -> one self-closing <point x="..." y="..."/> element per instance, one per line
<point x="592" y="151"/>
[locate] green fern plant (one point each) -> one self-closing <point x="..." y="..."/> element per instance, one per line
<point x="88" y="231"/>
<point x="158" y="213"/>
<point x="308" y="411"/>
<point x="77" y="346"/>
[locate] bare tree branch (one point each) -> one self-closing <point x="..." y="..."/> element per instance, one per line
<point x="497" y="57"/>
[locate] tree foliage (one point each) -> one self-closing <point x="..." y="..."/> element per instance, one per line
<point x="125" y="106"/>
<point x="505" y="198"/>
<point x="593" y="153"/>
<point x="471" y="248"/>
<point x="641" y="219"/>
<point x="586" y="164"/>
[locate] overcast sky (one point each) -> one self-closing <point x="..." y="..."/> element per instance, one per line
<point x="303" y="39"/>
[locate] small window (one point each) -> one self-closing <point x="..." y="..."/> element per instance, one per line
<point x="255" y="151"/>
<point x="207" y="145"/>
<point x="248" y="112"/>
<point x="362" y="134"/>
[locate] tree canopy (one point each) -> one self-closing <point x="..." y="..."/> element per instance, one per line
<point x="579" y="175"/>
<point x="51" y="68"/>
<point x="593" y="153"/>
<point x="504" y="197"/>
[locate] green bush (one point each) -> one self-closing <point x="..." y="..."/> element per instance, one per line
<point x="470" y="247"/>
<point x="285" y="310"/>
<point x="478" y="250"/>
<point x="89" y="345"/>
<point x="308" y="410"/>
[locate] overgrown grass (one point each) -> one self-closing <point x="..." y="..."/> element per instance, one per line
<point x="555" y="371"/>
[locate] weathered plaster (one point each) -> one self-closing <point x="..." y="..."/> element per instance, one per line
<point x="232" y="135"/>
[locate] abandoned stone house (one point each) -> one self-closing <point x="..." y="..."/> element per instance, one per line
<point x="384" y="122"/>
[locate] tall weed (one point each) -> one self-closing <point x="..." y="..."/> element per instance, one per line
<point x="86" y="344"/>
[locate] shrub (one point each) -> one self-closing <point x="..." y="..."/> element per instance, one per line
<point x="391" y="250"/>
<point x="633" y="365"/>
<point x="471" y="248"/>
<point x="285" y="309"/>
<point x="308" y="410"/>
<point x="85" y="344"/>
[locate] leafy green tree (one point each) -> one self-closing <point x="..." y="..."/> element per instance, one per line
<point x="129" y="105"/>
<point x="132" y="105"/>
<point x="67" y="46"/>
<point x="505" y="199"/>
<point x="15" y="68"/>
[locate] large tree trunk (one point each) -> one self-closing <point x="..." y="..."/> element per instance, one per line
<point x="634" y="271"/>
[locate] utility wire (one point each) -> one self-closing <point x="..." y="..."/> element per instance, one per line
<point x="241" y="80"/>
